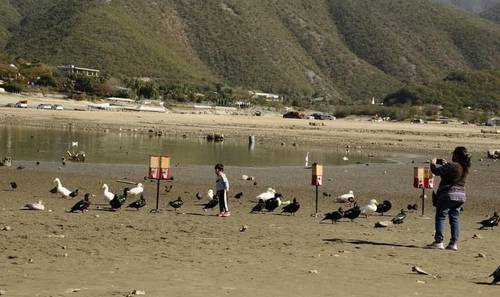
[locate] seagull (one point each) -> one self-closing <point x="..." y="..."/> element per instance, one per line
<point x="176" y="203"/>
<point x="346" y="197"/>
<point x="399" y="219"/>
<point x="13" y="185"/>
<point x="137" y="190"/>
<point x="62" y="190"/>
<point x="210" y="204"/>
<point x="35" y="206"/>
<point x="370" y="207"/>
<point x="258" y="207"/>
<point x="269" y="194"/>
<point x="352" y="213"/>
<point x="491" y="222"/>
<point x="496" y="276"/>
<point x="83" y="204"/>
<point x="334" y="216"/>
<point x="273" y="203"/>
<point x="384" y="207"/>
<point x="118" y="200"/>
<point x="138" y="204"/>
<point x="198" y="196"/>
<point x="291" y="208"/>
<point x="107" y="194"/>
<point x="238" y="195"/>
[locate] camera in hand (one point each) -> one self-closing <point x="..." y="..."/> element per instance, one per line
<point x="439" y="161"/>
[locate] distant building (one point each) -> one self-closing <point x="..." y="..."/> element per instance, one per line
<point x="72" y="69"/>
<point x="267" y="96"/>
<point x="493" y="122"/>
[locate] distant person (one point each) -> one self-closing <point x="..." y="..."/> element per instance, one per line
<point x="450" y="196"/>
<point x="221" y="187"/>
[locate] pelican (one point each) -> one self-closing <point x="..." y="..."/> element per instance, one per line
<point x="107" y="194"/>
<point x="35" y="206"/>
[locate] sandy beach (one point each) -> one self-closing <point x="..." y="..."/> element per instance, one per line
<point x="194" y="253"/>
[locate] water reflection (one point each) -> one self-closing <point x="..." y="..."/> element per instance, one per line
<point x="51" y="144"/>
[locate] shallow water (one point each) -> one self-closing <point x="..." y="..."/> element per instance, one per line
<point x="31" y="144"/>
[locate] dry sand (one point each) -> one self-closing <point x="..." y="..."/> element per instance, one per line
<point x="193" y="253"/>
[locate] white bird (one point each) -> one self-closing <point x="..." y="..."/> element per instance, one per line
<point x="74" y="143"/>
<point x="370" y="207"/>
<point x="306" y="165"/>
<point x="107" y="194"/>
<point x="35" y="206"/>
<point x="270" y="193"/>
<point x="346" y="197"/>
<point x="345" y="158"/>
<point x="244" y="177"/>
<point x="64" y="191"/>
<point x="137" y="190"/>
<point x="210" y="194"/>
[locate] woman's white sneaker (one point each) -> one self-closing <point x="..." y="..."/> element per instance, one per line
<point x="436" y="246"/>
<point x="452" y="247"/>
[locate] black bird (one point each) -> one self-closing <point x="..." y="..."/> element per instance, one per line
<point x="291" y="208"/>
<point x="411" y="207"/>
<point x="54" y="190"/>
<point x="20" y="167"/>
<point x="37" y="163"/>
<point x="496" y="276"/>
<point x="238" y="195"/>
<point x="211" y="204"/>
<point x="176" y="203"/>
<point x="352" y="213"/>
<point x="325" y="194"/>
<point x="400" y="218"/>
<point x="334" y="216"/>
<point x="118" y="200"/>
<point x="168" y="188"/>
<point x="73" y="194"/>
<point x="82" y="205"/>
<point x="138" y="204"/>
<point x="13" y="185"/>
<point x="258" y="207"/>
<point x="64" y="163"/>
<point x="254" y="183"/>
<point x="273" y="203"/>
<point x="491" y="222"/>
<point x="384" y="207"/>
<point x="198" y="196"/>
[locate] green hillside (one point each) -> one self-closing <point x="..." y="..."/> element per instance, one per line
<point x="492" y="14"/>
<point x="340" y="49"/>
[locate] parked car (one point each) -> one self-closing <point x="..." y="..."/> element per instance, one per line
<point x="294" y="115"/>
<point x="22" y="104"/>
<point x="44" y="106"/>
<point x="322" y="116"/>
<point x="57" y="107"/>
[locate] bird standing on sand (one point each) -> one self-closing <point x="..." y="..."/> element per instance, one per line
<point x="291" y="208"/>
<point x="273" y="203"/>
<point x="269" y="194"/>
<point x="82" y="205"/>
<point x="136" y="190"/>
<point x="176" y="203"/>
<point x="491" y="222"/>
<point x="118" y="200"/>
<point x="238" y="195"/>
<point x="168" y="188"/>
<point x="13" y="185"/>
<point x="107" y="194"/>
<point x="210" y="204"/>
<point x="62" y="190"/>
<point x="370" y="207"/>
<point x="384" y="207"/>
<point x="138" y="204"/>
<point x="334" y="216"/>
<point x="496" y="276"/>
<point x="399" y="218"/>
<point x="258" y="207"/>
<point x="198" y="196"/>
<point x="352" y="213"/>
<point x="35" y="206"/>
<point x="344" y="198"/>
<point x="412" y="207"/>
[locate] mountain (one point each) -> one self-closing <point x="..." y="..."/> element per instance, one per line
<point x="492" y="14"/>
<point x="342" y="49"/>
<point x="476" y="6"/>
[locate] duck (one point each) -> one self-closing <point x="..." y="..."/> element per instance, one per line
<point x="210" y="204"/>
<point x="273" y="203"/>
<point x="83" y="204"/>
<point x="344" y="198"/>
<point x="292" y="208"/>
<point x="384" y="207"/>
<point x="136" y="190"/>
<point x="107" y="194"/>
<point x="176" y="203"/>
<point x="370" y="207"/>
<point x="258" y="207"/>
<point x="198" y="196"/>
<point x="491" y="222"/>
<point x="13" y="185"/>
<point x="412" y="207"/>
<point x="118" y="200"/>
<point x="35" y="206"/>
<point x="496" y="276"/>
<point x="352" y="213"/>
<point x="334" y="216"/>
<point x="399" y="218"/>
<point x="138" y="204"/>
<point x="62" y="190"/>
<point x="269" y="194"/>
<point x="238" y="195"/>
